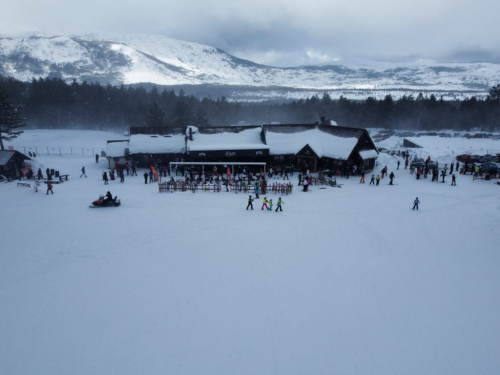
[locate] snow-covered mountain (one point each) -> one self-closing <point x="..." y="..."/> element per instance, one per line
<point x="131" y="59"/>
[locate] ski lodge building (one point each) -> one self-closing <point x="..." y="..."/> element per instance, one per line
<point x="311" y="146"/>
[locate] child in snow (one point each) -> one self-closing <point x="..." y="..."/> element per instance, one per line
<point x="264" y="204"/>
<point x="278" y="207"/>
<point x="415" y="203"/>
<point x="372" y="181"/>
<point x="270" y="205"/>
<point x="83" y="172"/>
<point x="49" y="188"/>
<point x="453" y="180"/>
<point x="378" y="179"/>
<point x="250" y="200"/>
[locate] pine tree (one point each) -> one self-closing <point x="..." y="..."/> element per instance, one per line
<point x="10" y="120"/>
<point x="155" y="117"/>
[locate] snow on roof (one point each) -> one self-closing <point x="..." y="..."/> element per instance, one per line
<point x="116" y="148"/>
<point x="438" y="147"/>
<point x="6" y="155"/>
<point x="156" y="144"/>
<point x="368" y="154"/>
<point x="323" y="144"/>
<point x="244" y="140"/>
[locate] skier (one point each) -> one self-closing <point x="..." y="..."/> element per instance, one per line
<point x="270" y="205"/>
<point x="83" y="172"/>
<point x="453" y="180"/>
<point x="415" y="203"/>
<point x="39" y="174"/>
<point x="105" y="178"/>
<point x="391" y="176"/>
<point x="49" y="187"/>
<point x="398" y="164"/>
<point x="250" y="200"/>
<point x="256" y="190"/>
<point x="122" y="177"/>
<point x="378" y="179"/>
<point x="384" y="171"/>
<point x="443" y="174"/>
<point x="264" y="204"/>
<point x="362" y="180"/>
<point x="97" y="158"/>
<point x="278" y="206"/>
<point x="146" y="177"/>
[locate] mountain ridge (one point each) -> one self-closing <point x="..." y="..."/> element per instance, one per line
<point x="134" y="59"/>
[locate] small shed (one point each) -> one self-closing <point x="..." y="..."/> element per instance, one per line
<point x="12" y="163"/>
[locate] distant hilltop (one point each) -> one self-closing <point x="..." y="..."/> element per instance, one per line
<point x="198" y="69"/>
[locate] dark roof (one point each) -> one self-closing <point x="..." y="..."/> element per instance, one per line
<point x="6" y="155"/>
<point x="410" y="144"/>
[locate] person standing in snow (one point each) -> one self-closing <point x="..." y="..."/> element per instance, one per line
<point x="372" y="180"/>
<point x="256" y="190"/>
<point x="278" y="206"/>
<point x="305" y="184"/>
<point x="83" y="172"/>
<point x="362" y="180"/>
<point x="97" y="158"/>
<point x="146" y="177"/>
<point x="105" y="177"/>
<point x="250" y="204"/>
<point x="122" y="176"/>
<point x="398" y="164"/>
<point x="49" y="187"/>
<point x="391" y="176"/>
<point x="415" y="203"/>
<point x="453" y="180"/>
<point x="270" y="205"/>
<point x="378" y="179"/>
<point x="264" y="204"/>
<point x="443" y="174"/>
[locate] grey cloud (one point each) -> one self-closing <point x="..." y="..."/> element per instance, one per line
<point x="284" y="32"/>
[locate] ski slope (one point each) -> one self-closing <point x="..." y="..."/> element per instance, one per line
<point x="344" y="281"/>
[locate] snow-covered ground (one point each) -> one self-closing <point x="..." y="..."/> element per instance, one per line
<point x="344" y="281"/>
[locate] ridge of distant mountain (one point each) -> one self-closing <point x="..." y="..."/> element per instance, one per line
<point x="163" y="61"/>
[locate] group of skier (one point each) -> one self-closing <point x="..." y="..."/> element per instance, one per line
<point x="264" y="204"/>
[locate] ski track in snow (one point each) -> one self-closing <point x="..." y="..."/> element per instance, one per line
<point x="347" y="281"/>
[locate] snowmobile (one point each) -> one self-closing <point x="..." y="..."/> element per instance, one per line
<point x="103" y="202"/>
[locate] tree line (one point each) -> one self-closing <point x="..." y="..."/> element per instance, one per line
<point x="54" y="103"/>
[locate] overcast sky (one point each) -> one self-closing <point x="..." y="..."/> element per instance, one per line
<point x="283" y="32"/>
